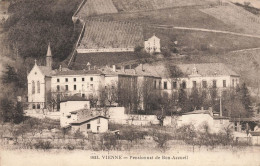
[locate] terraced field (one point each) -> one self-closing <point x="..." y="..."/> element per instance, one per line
<point x="234" y="15"/>
<point x="111" y="34"/>
<point x="96" y="7"/>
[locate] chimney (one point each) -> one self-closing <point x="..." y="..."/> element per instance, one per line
<point x="210" y="111"/>
<point x="60" y="68"/>
<point x="95" y="67"/>
<point x="114" y="67"/>
<point x="88" y="65"/>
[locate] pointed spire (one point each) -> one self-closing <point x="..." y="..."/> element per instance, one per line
<point x="49" y="50"/>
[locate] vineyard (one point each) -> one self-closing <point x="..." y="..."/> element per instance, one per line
<point x="111" y="34"/>
<point x="141" y="5"/>
<point x="234" y="15"/>
<point x="100" y="7"/>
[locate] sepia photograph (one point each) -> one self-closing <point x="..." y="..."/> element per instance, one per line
<point x="129" y="82"/>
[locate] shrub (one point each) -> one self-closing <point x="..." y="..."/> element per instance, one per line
<point x="45" y="145"/>
<point x="69" y="146"/>
<point x="161" y="140"/>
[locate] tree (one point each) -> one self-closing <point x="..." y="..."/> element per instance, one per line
<point x="245" y="97"/>
<point x="111" y="94"/>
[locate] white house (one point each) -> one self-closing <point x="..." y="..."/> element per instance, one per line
<point x="198" y="118"/>
<point x="95" y="124"/>
<point x="68" y="111"/>
<point x="152" y="45"/>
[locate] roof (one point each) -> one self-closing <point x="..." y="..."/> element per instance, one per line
<point x="246" y="119"/>
<point x="207" y="69"/>
<point x="45" y="70"/>
<point x="255" y="133"/>
<point x="87" y="119"/>
<point x="78" y="72"/>
<point x="157" y="69"/>
<point x="197" y="112"/>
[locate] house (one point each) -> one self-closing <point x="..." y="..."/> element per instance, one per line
<point x="95" y="124"/>
<point x="199" y="118"/>
<point x="152" y="45"/>
<point x="255" y="137"/>
<point x="71" y="111"/>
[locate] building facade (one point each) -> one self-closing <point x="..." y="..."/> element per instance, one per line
<point x="46" y="85"/>
<point x="152" y="45"/>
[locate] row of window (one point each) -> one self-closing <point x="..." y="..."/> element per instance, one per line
<point x="194" y="83"/>
<point x="38" y="87"/>
<point x="74" y="87"/>
<point x="75" y="79"/>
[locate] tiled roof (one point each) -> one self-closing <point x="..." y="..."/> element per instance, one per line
<point x="197" y="112"/>
<point x="159" y="69"/>
<point x="156" y="69"/>
<point x="78" y="72"/>
<point x="255" y="133"/>
<point x="45" y="70"/>
<point x="89" y="118"/>
<point x="206" y="69"/>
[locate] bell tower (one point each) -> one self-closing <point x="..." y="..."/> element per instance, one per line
<point x="49" y="57"/>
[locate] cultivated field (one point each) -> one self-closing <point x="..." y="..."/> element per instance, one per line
<point x="236" y="16"/>
<point x="111" y="34"/>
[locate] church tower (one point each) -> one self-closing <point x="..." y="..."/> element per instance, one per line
<point x="49" y="57"/>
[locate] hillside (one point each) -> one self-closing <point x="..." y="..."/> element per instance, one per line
<point x="100" y="7"/>
<point x="111" y="34"/>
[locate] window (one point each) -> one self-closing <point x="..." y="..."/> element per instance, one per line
<point x="58" y="88"/>
<point x="33" y="87"/>
<point x="58" y="80"/>
<point x="88" y="126"/>
<point x="98" y="127"/>
<point x="165" y="85"/>
<point x="83" y="95"/>
<point x="214" y="83"/>
<point x="66" y="87"/>
<point x="224" y="83"/>
<point x="33" y="106"/>
<point x="174" y="85"/>
<point x="160" y="84"/>
<point x="98" y="121"/>
<point x="183" y="85"/>
<point x="66" y="79"/>
<point x="38" y="87"/>
<point x="194" y="83"/>
<point x="154" y="84"/>
<point x="83" y="79"/>
<point x="75" y="79"/>
<point x="91" y="78"/>
<point x="204" y="84"/>
<point x="38" y="106"/>
<point x="75" y="87"/>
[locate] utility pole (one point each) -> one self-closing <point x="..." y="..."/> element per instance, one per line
<point x="220" y="103"/>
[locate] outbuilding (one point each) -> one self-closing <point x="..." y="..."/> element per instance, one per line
<point x="94" y="124"/>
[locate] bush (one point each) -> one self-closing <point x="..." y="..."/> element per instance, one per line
<point x="69" y="146"/>
<point x="45" y="145"/>
<point x="161" y="140"/>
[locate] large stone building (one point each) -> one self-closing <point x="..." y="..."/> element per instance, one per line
<point x="45" y="84"/>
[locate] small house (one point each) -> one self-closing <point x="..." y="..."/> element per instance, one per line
<point x="198" y="118"/>
<point x="94" y="124"/>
